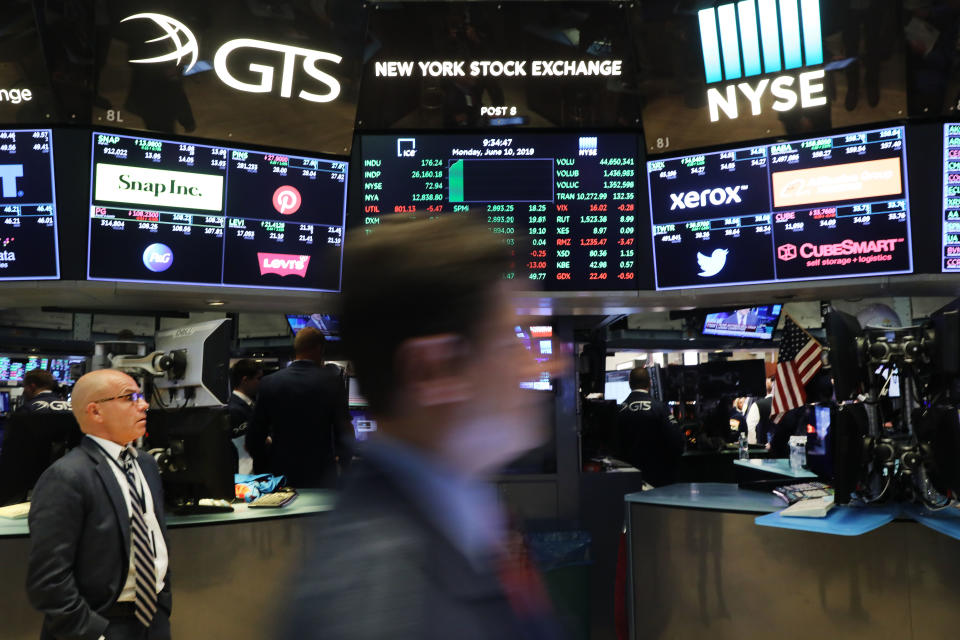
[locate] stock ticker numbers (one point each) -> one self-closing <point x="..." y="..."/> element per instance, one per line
<point x="166" y="211"/>
<point x="564" y="203"/>
<point x="819" y="208"/>
<point x="951" y="198"/>
<point x="28" y="216"/>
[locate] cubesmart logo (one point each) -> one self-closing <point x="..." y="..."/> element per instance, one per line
<point x="751" y="37"/>
<point x="283" y="264"/>
<point x="158" y="257"/>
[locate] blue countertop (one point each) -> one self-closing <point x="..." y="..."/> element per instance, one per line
<point x="714" y="496"/>
<point x="778" y="466"/>
<point x="308" y="502"/>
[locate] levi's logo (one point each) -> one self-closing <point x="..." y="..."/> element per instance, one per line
<point x="283" y="264"/>
<point x="716" y="197"/>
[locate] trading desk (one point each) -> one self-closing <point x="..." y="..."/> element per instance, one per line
<point x="699" y="567"/>
<point x="227" y="569"/>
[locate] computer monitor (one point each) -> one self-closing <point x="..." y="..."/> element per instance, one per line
<point x="196" y="456"/>
<point x="327" y="323"/>
<point x="206" y="346"/>
<point x="363" y="423"/>
<point x="32" y="442"/>
<point x="4" y="402"/>
<point x="749" y="322"/>
<point x="617" y="385"/>
<point x="355" y="398"/>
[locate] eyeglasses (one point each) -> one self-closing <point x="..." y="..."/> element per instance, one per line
<point x="133" y="396"/>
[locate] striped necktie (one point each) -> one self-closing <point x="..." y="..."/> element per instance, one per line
<point x="145" y="596"/>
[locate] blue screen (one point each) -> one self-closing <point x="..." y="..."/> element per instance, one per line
<point x="750" y="322"/>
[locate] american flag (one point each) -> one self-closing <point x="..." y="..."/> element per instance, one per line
<point x="799" y="360"/>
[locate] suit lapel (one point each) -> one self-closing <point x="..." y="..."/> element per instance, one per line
<point x="113" y="491"/>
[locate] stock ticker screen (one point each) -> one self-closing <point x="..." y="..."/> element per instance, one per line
<point x="186" y="213"/>
<point x="564" y="203"/>
<point x="28" y="212"/>
<point x="951" y="198"/>
<point x="819" y="208"/>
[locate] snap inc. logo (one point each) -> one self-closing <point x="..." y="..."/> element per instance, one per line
<point x="158" y="257"/>
<point x="185" y="44"/>
<point x="715" y="197"/>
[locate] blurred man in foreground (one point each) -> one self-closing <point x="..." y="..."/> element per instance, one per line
<point x="98" y="555"/>
<point x="417" y="547"/>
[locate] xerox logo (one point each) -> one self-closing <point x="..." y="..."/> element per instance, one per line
<point x="765" y="41"/>
<point x="263" y="73"/>
<point x="8" y="179"/>
<point x="715" y="197"/>
<point x="158" y="257"/>
<point x="283" y="264"/>
<point x="287" y="200"/>
<point x="787" y="252"/>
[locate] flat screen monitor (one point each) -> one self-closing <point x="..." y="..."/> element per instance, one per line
<point x="617" y="385"/>
<point x="354" y="397"/>
<point x="751" y="322"/>
<point x="538" y="340"/>
<point x="812" y="209"/>
<point x="951" y="198"/>
<point x="564" y="201"/>
<point x="28" y="210"/>
<point x="187" y="213"/>
<point x="325" y="322"/>
<point x="363" y="423"/>
<point x="4" y="402"/>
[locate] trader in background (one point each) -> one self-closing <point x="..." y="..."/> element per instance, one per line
<point x="301" y="423"/>
<point x="647" y="435"/>
<point x="39" y="394"/>
<point x="245" y="378"/>
<point x="417" y="547"/>
<point x="98" y="555"/>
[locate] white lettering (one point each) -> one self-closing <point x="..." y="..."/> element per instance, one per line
<point x="290" y="53"/>
<point x="808" y="88"/>
<point x="787" y="97"/>
<point x="754" y="94"/>
<point x="717" y="103"/>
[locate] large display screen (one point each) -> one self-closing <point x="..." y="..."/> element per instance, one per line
<point x="951" y="197"/>
<point x="564" y="202"/>
<point x="721" y="72"/>
<point x="828" y="207"/>
<point x="28" y="211"/>
<point x="750" y="322"/>
<point x="185" y="213"/>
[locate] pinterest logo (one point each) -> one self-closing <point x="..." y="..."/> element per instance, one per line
<point x="286" y="200"/>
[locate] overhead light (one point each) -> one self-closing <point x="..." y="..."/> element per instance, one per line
<point x="216" y="303"/>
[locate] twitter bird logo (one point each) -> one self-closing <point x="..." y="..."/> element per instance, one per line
<point x="713" y="264"/>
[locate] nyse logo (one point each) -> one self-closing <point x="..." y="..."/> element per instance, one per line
<point x="716" y="197"/>
<point x="787" y="252"/>
<point x="8" y="179"/>
<point x="765" y="41"/>
<point x="158" y="257"/>
<point x="251" y="51"/>
<point x="283" y="264"/>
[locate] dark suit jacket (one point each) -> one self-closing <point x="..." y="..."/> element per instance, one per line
<point x="80" y="544"/>
<point x="649" y="438"/>
<point x="303" y="408"/>
<point x="241" y="415"/>
<point x="381" y="569"/>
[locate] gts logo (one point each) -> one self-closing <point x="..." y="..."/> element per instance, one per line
<point x="718" y="196"/>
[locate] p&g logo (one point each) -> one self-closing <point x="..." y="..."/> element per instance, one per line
<point x="158" y="257"/>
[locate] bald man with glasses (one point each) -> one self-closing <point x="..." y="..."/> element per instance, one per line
<point x="98" y="557"/>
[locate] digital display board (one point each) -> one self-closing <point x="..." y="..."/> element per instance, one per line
<point x="827" y="207"/>
<point x="186" y="213"/>
<point x="951" y="198"/>
<point x="28" y="211"/>
<point x="565" y="203"/>
<point x="750" y="322"/>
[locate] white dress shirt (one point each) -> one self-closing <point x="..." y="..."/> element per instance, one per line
<point x="160" y="557"/>
<point x="245" y="459"/>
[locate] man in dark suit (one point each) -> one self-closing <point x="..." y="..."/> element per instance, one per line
<point x="300" y="420"/>
<point x="417" y="547"/>
<point x="98" y="557"/>
<point x="39" y="394"/>
<point x="245" y="378"/>
<point x="647" y="435"/>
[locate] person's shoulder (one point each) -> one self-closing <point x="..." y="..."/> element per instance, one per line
<point x="69" y="468"/>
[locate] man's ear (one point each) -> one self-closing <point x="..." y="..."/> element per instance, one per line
<point x="430" y="370"/>
<point x="93" y="411"/>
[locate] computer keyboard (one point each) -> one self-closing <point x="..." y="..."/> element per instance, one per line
<point x="793" y="493"/>
<point x="272" y="500"/>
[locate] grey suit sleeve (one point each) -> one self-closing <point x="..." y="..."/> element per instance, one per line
<point x="56" y="520"/>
